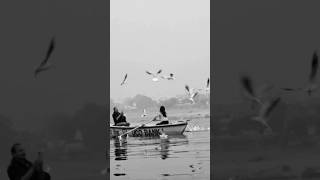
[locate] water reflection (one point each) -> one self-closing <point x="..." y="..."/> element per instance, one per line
<point x="120" y="149"/>
<point x="165" y="144"/>
<point x="144" y="146"/>
<point x="164" y="148"/>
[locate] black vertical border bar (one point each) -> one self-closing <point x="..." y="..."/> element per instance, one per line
<point x="108" y="90"/>
<point x="211" y="91"/>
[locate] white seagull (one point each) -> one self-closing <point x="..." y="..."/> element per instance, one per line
<point x="45" y="64"/>
<point x="124" y="80"/>
<point x="170" y="77"/>
<point x="144" y="113"/>
<point x="312" y="86"/>
<point x="191" y="93"/>
<point x="163" y="135"/>
<point x="265" y="111"/>
<point x="155" y="75"/>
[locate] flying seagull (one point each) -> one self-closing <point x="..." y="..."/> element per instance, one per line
<point x="264" y="113"/>
<point x="191" y="93"/>
<point x="45" y="64"/>
<point x="124" y="80"/>
<point x="208" y="85"/>
<point x="144" y="113"/>
<point x="155" y="75"/>
<point x="207" y="88"/>
<point x="247" y="84"/>
<point x="170" y="77"/>
<point x="312" y="86"/>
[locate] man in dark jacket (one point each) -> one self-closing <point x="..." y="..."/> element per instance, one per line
<point x="119" y="118"/>
<point x="22" y="169"/>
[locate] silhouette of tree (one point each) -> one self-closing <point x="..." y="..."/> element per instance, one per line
<point x="141" y="101"/>
<point x="169" y="103"/>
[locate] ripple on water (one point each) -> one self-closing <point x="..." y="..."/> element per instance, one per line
<point x="154" y="156"/>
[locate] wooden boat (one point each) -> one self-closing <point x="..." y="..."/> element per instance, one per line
<point x="176" y="128"/>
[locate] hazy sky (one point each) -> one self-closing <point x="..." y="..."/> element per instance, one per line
<point x="172" y="35"/>
<point x="80" y="56"/>
<point x="273" y="41"/>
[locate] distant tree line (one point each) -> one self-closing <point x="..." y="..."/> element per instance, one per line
<point x="144" y="102"/>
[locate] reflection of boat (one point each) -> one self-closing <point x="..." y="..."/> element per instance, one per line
<point x="150" y="131"/>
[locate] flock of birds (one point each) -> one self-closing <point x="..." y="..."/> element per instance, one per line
<point x="192" y="93"/>
<point x="266" y="105"/>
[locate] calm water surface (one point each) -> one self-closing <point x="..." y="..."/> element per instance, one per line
<point x="184" y="156"/>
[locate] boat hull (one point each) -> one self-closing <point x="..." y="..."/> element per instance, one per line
<point x="149" y="131"/>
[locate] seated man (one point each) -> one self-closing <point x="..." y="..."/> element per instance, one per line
<point x="21" y="168"/>
<point x="119" y="118"/>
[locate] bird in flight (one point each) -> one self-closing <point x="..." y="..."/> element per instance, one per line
<point x="264" y="112"/>
<point x="155" y="75"/>
<point x="144" y="113"/>
<point x="170" y="77"/>
<point x="207" y="88"/>
<point x="124" y="80"/>
<point x="45" y="64"/>
<point x="312" y="85"/>
<point x="208" y="85"/>
<point x="191" y="93"/>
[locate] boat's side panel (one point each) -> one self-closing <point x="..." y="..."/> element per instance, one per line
<point x="149" y="131"/>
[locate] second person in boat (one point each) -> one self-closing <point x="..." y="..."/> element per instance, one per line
<point x="162" y="117"/>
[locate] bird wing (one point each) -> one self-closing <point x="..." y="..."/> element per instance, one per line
<point x="49" y="52"/>
<point x="149" y="73"/>
<point x="159" y="71"/>
<point x="288" y="89"/>
<point x="267" y="109"/>
<point x="194" y="94"/>
<point x="314" y="67"/>
<point x="125" y="78"/>
<point x="187" y="88"/>
<point x="247" y="84"/>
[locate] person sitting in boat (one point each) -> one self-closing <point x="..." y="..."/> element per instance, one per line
<point x="119" y="118"/>
<point x="162" y="116"/>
